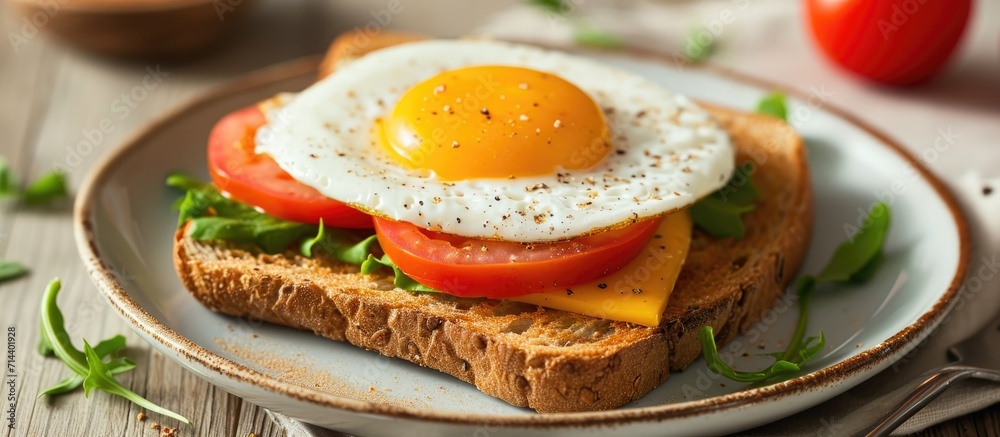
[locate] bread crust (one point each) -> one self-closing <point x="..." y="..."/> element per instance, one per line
<point x="544" y="359"/>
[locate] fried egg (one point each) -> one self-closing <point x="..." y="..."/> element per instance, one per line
<point x="495" y="140"/>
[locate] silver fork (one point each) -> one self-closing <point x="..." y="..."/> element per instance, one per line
<point x="975" y="357"/>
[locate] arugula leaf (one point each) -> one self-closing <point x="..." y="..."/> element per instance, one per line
<point x="717" y="365"/>
<point x="852" y="256"/>
<point x="270" y="234"/>
<point x="101" y="377"/>
<point x="744" y="193"/>
<point x="341" y="245"/>
<point x="103" y="349"/>
<point x="88" y="364"/>
<point x="54" y="331"/>
<point x="184" y="182"/>
<point x="553" y="6"/>
<point x="221" y="228"/>
<point x="720" y="214"/>
<point x="215" y="217"/>
<point x="204" y="200"/>
<point x="8" y="183"/>
<point x="11" y="270"/>
<point x="868" y="270"/>
<point x="46" y="189"/>
<point x="854" y="261"/>
<point x="275" y="235"/>
<point x="719" y="218"/>
<point x="44" y="347"/>
<point x="599" y="38"/>
<point x="401" y="281"/>
<point x="585" y="32"/>
<point x="193" y="204"/>
<point x="774" y="105"/>
<point x="704" y="50"/>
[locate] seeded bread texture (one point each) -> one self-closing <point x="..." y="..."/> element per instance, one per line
<point x="544" y="359"/>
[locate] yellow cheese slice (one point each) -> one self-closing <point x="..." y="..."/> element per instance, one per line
<point x="637" y="293"/>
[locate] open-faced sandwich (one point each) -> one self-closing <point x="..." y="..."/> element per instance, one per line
<point x="549" y="228"/>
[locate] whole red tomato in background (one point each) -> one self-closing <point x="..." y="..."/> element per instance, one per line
<point x="898" y="42"/>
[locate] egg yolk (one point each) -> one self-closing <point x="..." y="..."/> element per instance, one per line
<point x="495" y="122"/>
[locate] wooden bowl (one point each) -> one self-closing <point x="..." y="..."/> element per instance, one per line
<point x="133" y="28"/>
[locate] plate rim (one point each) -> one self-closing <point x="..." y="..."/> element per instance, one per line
<point x="140" y="319"/>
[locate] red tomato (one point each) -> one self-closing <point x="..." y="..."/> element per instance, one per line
<point x="497" y="269"/>
<point x="257" y="180"/>
<point x="898" y="42"/>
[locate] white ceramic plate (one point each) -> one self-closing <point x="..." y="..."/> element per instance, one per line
<point x="124" y="229"/>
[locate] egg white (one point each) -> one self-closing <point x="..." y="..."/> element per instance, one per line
<point x="667" y="152"/>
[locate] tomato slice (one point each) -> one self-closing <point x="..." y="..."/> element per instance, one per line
<point x="498" y="269"/>
<point x="257" y="180"/>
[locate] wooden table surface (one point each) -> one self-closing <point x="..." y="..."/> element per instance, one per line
<point x="50" y="97"/>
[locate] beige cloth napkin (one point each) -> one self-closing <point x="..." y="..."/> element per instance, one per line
<point x="766" y="38"/>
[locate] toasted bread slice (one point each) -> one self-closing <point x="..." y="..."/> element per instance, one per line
<point x="548" y="360"/>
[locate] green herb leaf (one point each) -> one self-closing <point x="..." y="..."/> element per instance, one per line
<point x="720" y="218"/>
<point x="103" y="349"/>
<point x="869" y="269"/>
<point x="275" y="235"/>
<point x="341" y="245"/>
<point x="270" y="234"/>
<point x="88" y="364"/>
<point x="774" y="105"/>
<point x="854" y="261"/>
<point x="44" y="347"/>
<point x="46" y="189"/>
<point x="8" y="183"/>
<point x="67" y="385"/>
<point x="193" y="204"/>
<point x="100" y="377"/>
<point x="739" y="192"/>
<point x="215" y="217"/>
<point x="852" y="256"/>
<point x="205" y="200"/>
<point x="599" y="38"/>
<point x="585" y="32"/>
<point x="807" y="352"/>
<point x="804" y="288"/>
<point x="717" y="365"/>
<point x="701" y="51"/>
<point x="553" y="6"/>
<point x="401" y="281"/>
<point x="221" y="228"/>
<point x="54" y="332"/>
<point x="11" y="270"/>
<point x="184" y="182"/>
<point x="720" y="214"/>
